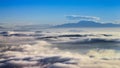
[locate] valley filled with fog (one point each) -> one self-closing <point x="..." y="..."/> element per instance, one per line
<point x="60" y="48"/>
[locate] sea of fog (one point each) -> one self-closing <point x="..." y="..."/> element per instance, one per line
<point x="95" y="39"/>
<point x="60" y="48"/>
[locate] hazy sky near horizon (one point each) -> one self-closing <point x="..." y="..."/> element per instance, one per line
<point x="55" y="11"/>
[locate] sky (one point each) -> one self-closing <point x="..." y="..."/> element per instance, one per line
<point x="58" y="11"/>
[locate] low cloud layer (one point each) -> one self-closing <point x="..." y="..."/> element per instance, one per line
<point x="77" y="17"/>
<point x="40" y="56"/>
<point x="45" y="49"/>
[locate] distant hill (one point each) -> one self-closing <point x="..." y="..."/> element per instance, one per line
<point x="87" y="24"/>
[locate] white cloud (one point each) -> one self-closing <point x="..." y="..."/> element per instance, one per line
<point x="44" y="55"/>
<point x="77" y="17"/>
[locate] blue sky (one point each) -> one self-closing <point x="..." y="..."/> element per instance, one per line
<point x="55" y="11"/>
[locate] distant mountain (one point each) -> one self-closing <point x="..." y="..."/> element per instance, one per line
<point x="87" y="24"/>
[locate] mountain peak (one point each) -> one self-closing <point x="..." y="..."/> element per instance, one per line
<point x="87" y="24"/>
